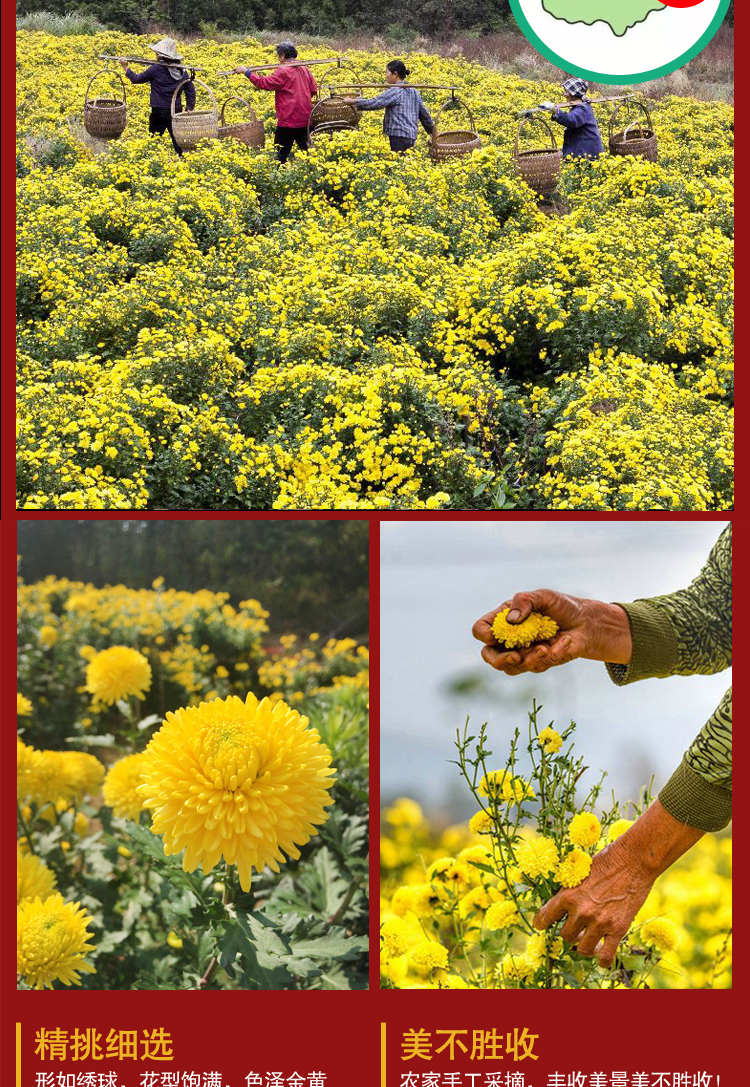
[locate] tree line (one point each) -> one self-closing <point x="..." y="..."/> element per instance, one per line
<point x="311" y="575"/>
<point x="438" y="18"/>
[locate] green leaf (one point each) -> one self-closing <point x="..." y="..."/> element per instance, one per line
<point x="335" y="945"/>
<point x="263" y="951"/>
<point x="169" y="867"/>
<point x="303" y="968"/>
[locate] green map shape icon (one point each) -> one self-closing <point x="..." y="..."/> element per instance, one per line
<point x="619" y="15"/>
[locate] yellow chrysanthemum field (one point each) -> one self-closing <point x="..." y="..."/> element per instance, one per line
<point x="357" y="331"/>
<point x="239" y="780"/>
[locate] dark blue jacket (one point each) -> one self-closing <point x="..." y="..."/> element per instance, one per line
<point x="163" y="87"/>
<point x="582" y="136"/>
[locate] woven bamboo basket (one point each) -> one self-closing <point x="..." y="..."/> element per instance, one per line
<point x="323" y="123"/>
<point x="190" y="126"/>
<point x="636" y="138"/>
<point x="456" y="143"/>
<point x="250" y="132"/>
<point x="540" y="166"/>
<point x="337" y="108"/>
<point x="105" y="118"/>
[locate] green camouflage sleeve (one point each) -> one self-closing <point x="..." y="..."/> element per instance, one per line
<point x="689" y="633"/>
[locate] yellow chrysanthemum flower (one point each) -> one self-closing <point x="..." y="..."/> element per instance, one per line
<point x="453" y="981"/>
<point x="477" y="900"/>
<point x="404" y="812"/>
<point x="445" y="870"/>
<point x="660" y="933"/>
<point x="573" y="868"/>
<point x="515" y="968"/>
<point x="47" y="636"/>
<point x="536" y="628"/>
<point x="116" y="673"/>
<point x="82" y="774"/>
<point x="584" y="829"/>
<point x="428" y="955"/>
<point x="395" y="938"/>
<point x="501" y="785"/>
<point x="120" y="785"/>
<point x="501" y="915"/>
<point x="34" y="878"/>
<point x="52" y="939"/>
<point x="481" y="823"/>
<point x="541" y="945"/>
<point x="549" y="740"/>
<point x="238" y="780"/>
<point x="25" y="708"/>
<point x="618" y="828"/>
<point x="27" y="762"/>
<point x="537" y="857"/>
<point x="416" y="898"/>
<point x="81" y="824"/>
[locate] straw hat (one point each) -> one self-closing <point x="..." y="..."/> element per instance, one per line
<point x="167" y="47"/>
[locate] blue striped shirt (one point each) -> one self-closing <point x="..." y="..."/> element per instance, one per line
<point x="403" y="107"/>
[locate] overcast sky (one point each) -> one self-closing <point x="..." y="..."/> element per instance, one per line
<point x="438" y="577"/>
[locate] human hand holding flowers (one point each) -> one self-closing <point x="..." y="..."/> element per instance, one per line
<point x="591" y="629"/>
<point x="602" y="908"/>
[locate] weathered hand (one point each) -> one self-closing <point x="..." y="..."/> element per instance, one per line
<point x="239" y="70"/>
<point x="588" y="628"/>
<point x="601" y="909"/>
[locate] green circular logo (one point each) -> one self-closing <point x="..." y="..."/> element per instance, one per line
<point x="620" y="36"/>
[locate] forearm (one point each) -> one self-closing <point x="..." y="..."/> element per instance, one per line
<point x="655" y="841"/>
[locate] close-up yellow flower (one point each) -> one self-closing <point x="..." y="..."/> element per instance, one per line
<point x="246" y="781"/>
<point x="417" y="898"/>
<point x="573" y="868"/>
<point x="501" y="915"/>
<point x="501" y="786"/>
<point x="550" y="741"/>
<point x="34" y="878"/>
<point x="428" y="955"/>
<point x="537" y="857"/>
<point x="661" y="933"/>
<point x="52" y="940"/>
<point x="584" y="829"/>
<point x="618" y="828"/>
<point x="481" y="823"/>
<point x="25" y="707"/>
<point x="47" y="636"/>
<point x="535" y="628"/>
<point x="120" y="787"/>
<point x="395" y="937"/>
<point x="118" y="672"/>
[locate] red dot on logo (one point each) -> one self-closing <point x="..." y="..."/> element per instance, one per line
<point x="681" y="3"/>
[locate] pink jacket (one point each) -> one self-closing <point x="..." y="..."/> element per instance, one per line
<point x="294" y="88"/>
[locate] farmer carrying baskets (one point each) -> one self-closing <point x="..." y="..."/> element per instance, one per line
<point x="582" y="138"/>
<point x="295" y="87"/>
<point x="164" y="77"/>
<point x="403" y="106"/>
